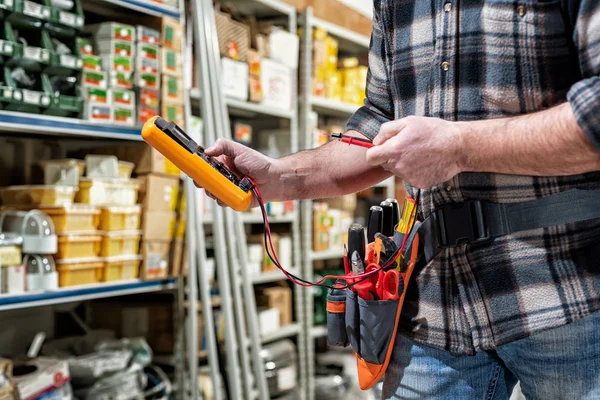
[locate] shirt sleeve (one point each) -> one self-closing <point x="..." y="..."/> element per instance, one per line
<point x="378" y="107"/>
<point x="584" y="95"/>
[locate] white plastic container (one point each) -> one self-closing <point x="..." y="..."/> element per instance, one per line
<point x="41" y="273"/>
<point x="12" y="271"/>
<point x="101" y="166"/>
<point x="35" y="227"/>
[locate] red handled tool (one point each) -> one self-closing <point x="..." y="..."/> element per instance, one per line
<point x="388" y="287"/>
<point x="353" y="140"/>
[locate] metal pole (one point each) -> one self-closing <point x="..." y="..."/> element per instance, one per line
<point x="231" y="345"/>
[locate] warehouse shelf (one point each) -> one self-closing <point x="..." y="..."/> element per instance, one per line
<point x="263" y="8"/>
<point x="332" y="108"/>
<point x="243" y="108"/>
<point x="348" y="40"/>
<point x="318" y="331"/>
<point x="327" y="254"/>
<point x="17" y="122"/>
<point x="283" y="332"/>
<point x="272" y="276"/>
<point x="148" y="7"/>
<point x="83" y="293"/>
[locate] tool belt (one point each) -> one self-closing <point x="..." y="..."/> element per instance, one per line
<point x="370" y="326"/>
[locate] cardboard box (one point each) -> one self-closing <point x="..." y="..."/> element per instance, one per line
<point x="123" y="116"/>
<point x="147" y="35"/>
<point x="176" y="261"/>
<point x="235" y="79"/>
<point x="156" y="255"/>
<point x="233" y="37"/>
<point x="149" y="98"/>
<point x="98" y="113"/>
<point x="95" y="79"/>
<point x="173" y="112"/>
<point x="50" y="374"/>
<point x="267" y="264"/>
<point x="108" y="46"/>
<point x="279" y="297"/>
<point x="146" y="80"/>
<point x="120" y="79"/>
<point x="158" y="225"/>
<point x="158" y="192"/>
<point x="172" y="90"/>
<point x="171" y="31"/>
<point x="145" y="113"/>
<point x="91" y="62"/>
<point x="113" y="30"/>
<point x="123" y="98"/>
<point x="268" y="320"/>
<point x="346" y="203"/>
<point x="277" y="82"/>
<point x="97" y="95"/>
<point x="284" y="47"/>
<point x="145" y="158"/>
<point x="112" y="62"/>
<point x="262" y="45"/>
<point x="171" y="62"/>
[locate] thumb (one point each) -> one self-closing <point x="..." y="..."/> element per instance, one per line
<point x="225" y="147"/>
<point x="388" y="131"/>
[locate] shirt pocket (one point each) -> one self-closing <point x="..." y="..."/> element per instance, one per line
<point x="526" y="54"/>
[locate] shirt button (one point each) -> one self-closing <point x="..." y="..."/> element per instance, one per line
<point x="447" y="7"/>
<point x="445" y="66"/>
<point x="449" y="188"/>
<point x="522" y="11"/>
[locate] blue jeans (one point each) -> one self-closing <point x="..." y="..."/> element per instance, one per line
<point x="562" y="363"/>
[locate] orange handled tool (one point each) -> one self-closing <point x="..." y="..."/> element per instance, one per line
<point x="172" y="142"/>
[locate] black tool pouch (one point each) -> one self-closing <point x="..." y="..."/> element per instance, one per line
<point x="336" y="316"/>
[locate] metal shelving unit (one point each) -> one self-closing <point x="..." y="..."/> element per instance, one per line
<point x="349" y="43"/>
<point x="16" y="123"/>
<point x="282" y="333"/>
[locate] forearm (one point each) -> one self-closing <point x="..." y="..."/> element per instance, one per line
<point x="331" y="170"/>
<point x="546" y="143"/>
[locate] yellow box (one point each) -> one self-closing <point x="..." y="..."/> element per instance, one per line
<point x="72" y="272"/>
<point x="98" y="191"/>
<point x="122" y="268"/>
<point x="120" y="218"/>
<point x="10" y="256"/>
<point x="36" y="195"/>
<point x="77" y="217"/>
<point x="120" y="243"/>
<point x="78" y="246"/>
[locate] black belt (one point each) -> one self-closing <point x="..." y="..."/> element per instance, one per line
<point x="475" y="221"/>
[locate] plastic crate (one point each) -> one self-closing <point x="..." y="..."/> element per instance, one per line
<point x="8" y="47"/>
<point x="75" y="218"/>
<point x="120" y="218"/>
<point x="7" y="5"/>
<point x="120" y="243"/>
<point x="73" y="245"/>
<point x="121" y="268"/>
<point x="73" y="272"/>
<point x="64" y="64"/>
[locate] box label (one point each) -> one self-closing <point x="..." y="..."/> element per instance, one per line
<point x="31" y="97"/>
<point x="92" y="78"/>
<point x="67" y="18"/>
<point x="123" y="49"/>
<point x="69" y="61"/>
<point x="34" y="10"/>
<point x="149" y="98"/>
<point x="148" y="81"/>
<point x="169" y="35"/>
<point x="122" y="33"/>
<point x="122" y="64"/>
<point x="123" y="80"/>
<point x="172" y="87"/>
<point x="123" y="97"/>
<point x="7" y="47"/>
<point x="97" y="95"/>
<point x="122" y="115"/>
<point x="286" y="378"/>
<point x="91" y="63"/>
<point x="149" y="66"/>
<point x="101" y="113"/>
<point x="150" y="52"/>
<point x="6" y="4"/>
<point x="35" y="53"/>
<point x="171" y="60"/>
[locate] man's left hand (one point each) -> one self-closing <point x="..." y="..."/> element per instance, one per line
<point x="422" y="151"/>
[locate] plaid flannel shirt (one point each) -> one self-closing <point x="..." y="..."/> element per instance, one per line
<point x="473" y="60"/>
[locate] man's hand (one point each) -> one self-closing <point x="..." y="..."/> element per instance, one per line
<point x="422" y="151"/>
<point x="243" y="161"/>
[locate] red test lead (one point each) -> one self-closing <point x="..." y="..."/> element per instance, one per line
<point x="353" y="140"/>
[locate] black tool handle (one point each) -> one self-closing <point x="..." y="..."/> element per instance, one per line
<point x="396" y="214"/>
<point x="375" y="223"/>
<point x="388" y="218"/>
<point x="356" y="240"/>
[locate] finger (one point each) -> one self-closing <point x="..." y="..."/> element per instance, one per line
<point x="225" y="147"/>
<point x="388" y="131"/>
<point x="379" y="155"/>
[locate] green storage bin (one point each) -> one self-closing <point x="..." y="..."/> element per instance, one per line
<point x="27" y="11"/>
<point x="32" y="100"/>
<point x="62" y="104"/>
<point x="7" y="5"/>
<point x="63" y="64"/>
<point x="37" y="55"/>
<point x="72" y="18"/>
<point x="8" y="47"/>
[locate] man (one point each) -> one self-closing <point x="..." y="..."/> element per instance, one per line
<point x="493" y="100"/>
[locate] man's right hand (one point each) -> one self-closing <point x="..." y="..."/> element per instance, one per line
<point x="244" y="161"/>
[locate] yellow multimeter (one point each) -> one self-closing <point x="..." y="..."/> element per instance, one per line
<point x="172" y="142"/>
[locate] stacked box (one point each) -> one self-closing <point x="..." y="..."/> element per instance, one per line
<point x="147" y="72"/>
<point x="116" y="48"/>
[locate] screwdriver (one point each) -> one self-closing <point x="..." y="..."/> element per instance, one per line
<point x="375" y="223"/>
<point x="356" y="240"/>
<point x="388" y="218"/>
